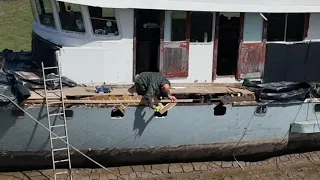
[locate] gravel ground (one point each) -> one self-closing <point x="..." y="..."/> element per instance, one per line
<point x="291" y="167"/>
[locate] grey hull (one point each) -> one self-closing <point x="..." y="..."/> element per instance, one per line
<point x="186" y="133"/>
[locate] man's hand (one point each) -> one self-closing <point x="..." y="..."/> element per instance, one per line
<point x="172" y="98"/>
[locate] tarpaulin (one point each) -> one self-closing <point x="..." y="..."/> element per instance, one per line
<point x="278" y="91"/>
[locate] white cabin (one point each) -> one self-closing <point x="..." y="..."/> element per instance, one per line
<point x="190" y="41"/>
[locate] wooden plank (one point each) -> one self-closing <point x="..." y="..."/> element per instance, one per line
<point x="242" y="91"/>
<point x="41" y="95"/>
<point x="27" y="75"/>
<point x="167" y="107"/>
<point x="89" y="91"/>
<point x="109" y="101"/>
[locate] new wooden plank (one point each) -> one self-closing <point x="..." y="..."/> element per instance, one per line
<point x="41" y="95"/>
<point x="167" y="107"/>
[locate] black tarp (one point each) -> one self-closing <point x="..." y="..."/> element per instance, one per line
<point x="278" y="91"/>
<point x="296" y="62"/>
<point x="12" y="88"/>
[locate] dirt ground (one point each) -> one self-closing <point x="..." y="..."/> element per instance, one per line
<point x="291" y="167"/>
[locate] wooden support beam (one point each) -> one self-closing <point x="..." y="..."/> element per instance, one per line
<point x="109" y="101"/>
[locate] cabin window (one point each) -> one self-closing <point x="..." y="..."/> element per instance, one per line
<point x="286" y="27"/>
<point x="45" y="13"/>
<point x="201" y="26"/>
<point x="178" y="26"/>
<point x="70" y="17"/>
<point x="33" y="8"/>
<point x="103" y="21"/>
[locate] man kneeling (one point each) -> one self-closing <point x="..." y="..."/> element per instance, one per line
<point x="149" y="84"/>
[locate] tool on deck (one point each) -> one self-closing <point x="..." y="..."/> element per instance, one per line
<point x="103" y="89"/>
<point x="62" y="125"/>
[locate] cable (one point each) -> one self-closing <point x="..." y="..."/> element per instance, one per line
<point x="59" y="137"/>
<point x="244" y="133"/>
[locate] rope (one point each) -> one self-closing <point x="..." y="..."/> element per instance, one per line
<point x="59" y="137"/>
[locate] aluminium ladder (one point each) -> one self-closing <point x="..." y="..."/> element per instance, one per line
<point x="53" y="126"/>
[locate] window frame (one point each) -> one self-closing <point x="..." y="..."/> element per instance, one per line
<point x="59" y="19"/>
<point x="108" y="37"/>
<point x="34" y="4"/>
<point x="212" y="28"/>
<point x="34" y="11"/>
<point x="285" y="30"/>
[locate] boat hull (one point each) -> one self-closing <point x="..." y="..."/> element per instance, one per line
<point x="187" y="133"/>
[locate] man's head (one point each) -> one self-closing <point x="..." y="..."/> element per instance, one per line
<point x="165" y="88"/>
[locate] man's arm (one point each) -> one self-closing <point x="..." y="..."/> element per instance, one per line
<point x="149" y="96"/>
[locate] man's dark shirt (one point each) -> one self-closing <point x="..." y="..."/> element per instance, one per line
<point x="149" y="83"/>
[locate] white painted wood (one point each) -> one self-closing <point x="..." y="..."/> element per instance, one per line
<point x="210" y="5"/>
<point x="94" y="66"/>
<point x="200" y="64"/>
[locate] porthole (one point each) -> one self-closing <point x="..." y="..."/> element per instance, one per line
<point x="220" y="110"/>
<point x="17" y="113"/>
<point x="261" y="111"/>
<point x="317" y="108"/>
<point x="69" y="114"/>
<point x="159" y="115"/>
<point x="117" y="113"/>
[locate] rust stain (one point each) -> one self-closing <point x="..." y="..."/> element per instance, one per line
<point x="251" y="60"/>
<point x="215" y="47"/>
<point x="306" y="24"/>
<point x="238" y="71"/>
<point x="174" y="61"/>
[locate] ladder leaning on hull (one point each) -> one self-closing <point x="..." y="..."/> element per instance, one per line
<point x="53" y="126"/>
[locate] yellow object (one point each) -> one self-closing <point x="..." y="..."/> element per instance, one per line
<point x="157" y="109"/>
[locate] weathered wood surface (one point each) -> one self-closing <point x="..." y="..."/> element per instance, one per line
<point x="90" y="91"/>
<point x="130" y="102"/>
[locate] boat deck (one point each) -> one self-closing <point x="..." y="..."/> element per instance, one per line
<point x="87" y="95"/>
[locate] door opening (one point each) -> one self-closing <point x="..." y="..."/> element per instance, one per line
<point x="229" y="36"/>
<point x="147" y="40"/>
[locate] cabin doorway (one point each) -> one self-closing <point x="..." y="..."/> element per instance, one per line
<point x="147" y="45"/>
<point x="228" y="43"/>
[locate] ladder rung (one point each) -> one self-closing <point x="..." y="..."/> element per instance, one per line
<point x="52" y="79"/>
<point x="62" y="137"/>
<point x="58" y="102"/>
<point x="56" y="114"/>
<point x="53" y="67"/>
<point x="53" y="91"/>
<point x="60" y="149"/>
<point x="60" y="161"/>
<point x="64" y="172"/>
<point x="61" y="125"/>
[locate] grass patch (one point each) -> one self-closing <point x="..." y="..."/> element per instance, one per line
<point x="15" y="25"/>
